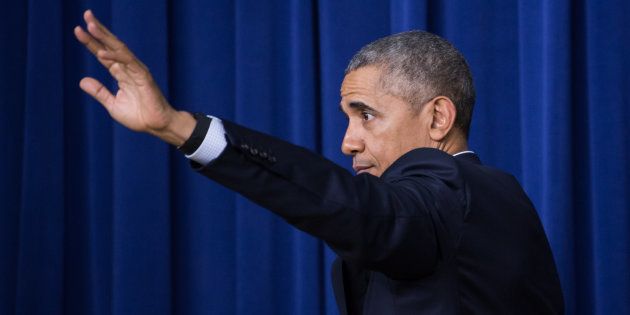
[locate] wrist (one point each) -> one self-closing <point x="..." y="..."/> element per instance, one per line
<point x="178" y="130"/>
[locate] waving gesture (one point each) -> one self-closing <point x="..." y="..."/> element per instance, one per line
<point x="138" y="104"/>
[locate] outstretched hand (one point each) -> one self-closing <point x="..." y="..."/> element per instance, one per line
<point x="138" y="104"/>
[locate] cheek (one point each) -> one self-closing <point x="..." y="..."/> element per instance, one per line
<point x="388" y="146"/>
<point x="384" y="150"/>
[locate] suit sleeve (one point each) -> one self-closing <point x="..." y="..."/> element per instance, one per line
<point x="396" y="225"/>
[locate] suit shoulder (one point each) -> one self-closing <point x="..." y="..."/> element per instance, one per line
<point x="424" y="162"/>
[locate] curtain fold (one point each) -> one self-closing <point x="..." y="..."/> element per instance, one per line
<point x="40" y="226"/>
<point x="96" y="219"/>
<point x="12" y="77"/>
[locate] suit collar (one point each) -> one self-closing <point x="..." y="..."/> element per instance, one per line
<point x="468" y="156"/>
<point x="423" y="155"/>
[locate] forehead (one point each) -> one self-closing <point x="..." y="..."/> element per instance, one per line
<point x="362" y="89"/>
<point x="364" y="81"/>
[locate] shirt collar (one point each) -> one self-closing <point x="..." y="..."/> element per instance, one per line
<point x="463" y="152"/>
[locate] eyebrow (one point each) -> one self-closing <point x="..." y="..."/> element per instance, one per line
<point x="358" y="106"/>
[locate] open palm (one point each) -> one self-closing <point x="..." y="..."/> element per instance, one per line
<point x="138" y="104"/>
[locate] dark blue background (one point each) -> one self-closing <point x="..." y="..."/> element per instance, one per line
<point x="95" y="219"/>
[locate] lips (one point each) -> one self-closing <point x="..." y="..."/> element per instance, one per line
<point x="361" y="168"/>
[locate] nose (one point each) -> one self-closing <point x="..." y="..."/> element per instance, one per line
<point x="352" y="143"/>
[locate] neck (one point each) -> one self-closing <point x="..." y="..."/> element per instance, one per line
<point x="453" y="143"/>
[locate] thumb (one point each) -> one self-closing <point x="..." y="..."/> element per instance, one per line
<point x="98" y="91"/>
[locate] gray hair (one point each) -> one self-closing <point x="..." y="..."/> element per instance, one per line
<point x="419" y="66"/>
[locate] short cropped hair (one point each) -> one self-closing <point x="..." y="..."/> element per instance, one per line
<point x="418" y="66"/>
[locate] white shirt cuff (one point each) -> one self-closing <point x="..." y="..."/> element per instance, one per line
<point x="213" y="144"/>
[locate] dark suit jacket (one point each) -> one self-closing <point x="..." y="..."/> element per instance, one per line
<point x="435" y="234"/>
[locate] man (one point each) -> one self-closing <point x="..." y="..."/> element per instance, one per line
<point x="423" y="227"/>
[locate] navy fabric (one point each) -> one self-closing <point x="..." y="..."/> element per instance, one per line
<point x="435" y="234"/>
<point x="95" y="219"/>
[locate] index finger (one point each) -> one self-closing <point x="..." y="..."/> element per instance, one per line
<point x="100" y="32"/>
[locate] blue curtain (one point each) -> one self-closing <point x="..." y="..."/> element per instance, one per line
<point x="95" y="219"/>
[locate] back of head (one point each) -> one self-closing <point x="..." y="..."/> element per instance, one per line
<point x="419" y="66"/>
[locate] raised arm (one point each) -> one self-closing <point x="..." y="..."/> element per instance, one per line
<point x="138" y="104"/>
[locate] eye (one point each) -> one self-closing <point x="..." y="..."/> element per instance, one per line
<point x="367" y="116"/>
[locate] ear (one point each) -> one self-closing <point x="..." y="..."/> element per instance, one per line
<point x="444" y="114"/>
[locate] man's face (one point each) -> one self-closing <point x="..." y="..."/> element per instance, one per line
<point x="381" y="127"/>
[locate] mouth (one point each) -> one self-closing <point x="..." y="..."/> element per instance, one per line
<point x="361" y="168"/>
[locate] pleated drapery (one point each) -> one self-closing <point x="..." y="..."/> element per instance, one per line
<point x="95" y="219"/>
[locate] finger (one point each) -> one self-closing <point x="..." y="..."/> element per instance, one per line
<point x="134" y="67"/>
<point x="100" y="32"/>
<point x="124" y="57"/>
<point x="92" y="44"/>
<point x="98" y="91"/>
<point x="89" y="16"/>
<point x="112" y="49"/>
<point x="118" y="71"/>
<point x="139" y="73"/>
